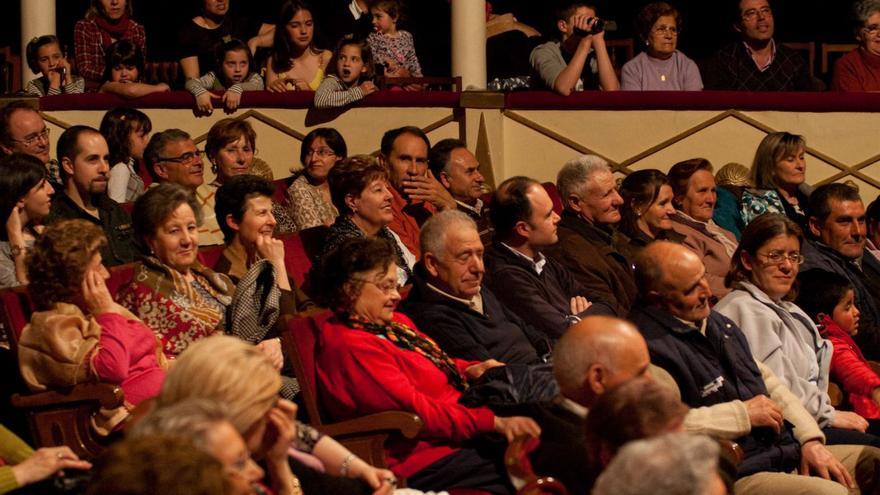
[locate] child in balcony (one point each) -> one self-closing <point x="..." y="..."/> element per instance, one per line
<point x="391" y="47"/>
<point x="44" y="56"/>
<point x="233" y="75"/>
<point x="127" y="131"/>
<point x="830" y="300"/>
<point x="123" y="69"/>
<point x="351" y="77"/>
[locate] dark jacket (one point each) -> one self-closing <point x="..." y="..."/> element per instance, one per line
<point x="466" y="334"/>
<point x="590" y="255"/>
<point x="544" y="300"/>
<point x="733" y="69"/>
<point x="820" y="256"/>
<point x="715" y="369"/>
<point x="114" y="221"/>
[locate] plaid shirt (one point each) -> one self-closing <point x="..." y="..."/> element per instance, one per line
<point x="89" y="48"/>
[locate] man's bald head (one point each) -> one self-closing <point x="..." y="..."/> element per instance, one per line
<point x="673" y="278"/>
<point x="596" y="355"/>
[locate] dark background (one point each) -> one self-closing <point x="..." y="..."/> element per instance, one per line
<point x="706" y="25"/>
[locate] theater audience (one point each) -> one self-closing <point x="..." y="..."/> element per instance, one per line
<point x="779" y="177"/>
<point x="859" y="70"/>
<point x="579" y="59"/>
<point x="780" y="334"/>
<point x="829" y="299"/>
<point x="83" y="155"/>
<point x="537" y="288"/>
<point x="295" y="62"/>
<point x="181" y="300"/>
<point x="79" y="333"/>
<point x="127" y="132"/>
<point x="587" y="233"/>
<point x="198" y="40"/>
<point x="26" y="199"/>
<point x="837" y="245"/>
<point x="671" y="464"/>
<point x="350" y="78"/>
<point x="661" y="67"/>
<point x="309" y="202"/>
<point x="756" y="62"/>
<point x="123" y="72"/>
<point x="105" y="22"/>
<point x="709" y="358"/>
<point x="449" y="300"/>
<point x="44" y="57"/>
<point x="360" y="191"/>
<point x="374" y="359"/>
<point x="231" y="148"/>
<point x="392" y="48"/>
<point x="458" y="171"/>
<point x="232" y="74"/>
<point x="23" y="466"/>
<point x="695" y="197"/>
<point x="23" y="130"/>
<point x="172" y="156"/>
<point x="647" y="210"/>
<point x="236" y="374"/>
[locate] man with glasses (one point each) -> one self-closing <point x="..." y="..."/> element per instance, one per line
<point x="859" y="70"/>
<point x="23" y="130"/>
<point x="172" y="156"/>
<point x="83" y="155"/>
<point x="838" y="231"/>
<point x="756" y="62"/>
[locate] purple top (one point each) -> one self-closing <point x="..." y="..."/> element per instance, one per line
<point x="676" y="73"/>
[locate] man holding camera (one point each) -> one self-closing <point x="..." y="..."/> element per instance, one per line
<point x="579" y="60"/>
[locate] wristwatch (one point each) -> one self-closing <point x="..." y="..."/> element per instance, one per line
<point x="16" y="250"/>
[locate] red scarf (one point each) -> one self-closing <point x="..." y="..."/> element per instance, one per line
<point x="111" y="31"/>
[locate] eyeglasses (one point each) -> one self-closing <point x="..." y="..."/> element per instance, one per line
<point x="189" y="156"/>
<point x="751" y="14"/>
<point x="671" y="30"/>
<point x="386" y="286"/>
<point x="872" y="29"/>
<point x="321" y="152"/>
<point x="778" y="257"/>
<point x="34" y="138"/>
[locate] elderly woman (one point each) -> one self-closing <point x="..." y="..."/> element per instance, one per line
<point x="859" y="70"/>
<point x="778" y="174"/>
<point x="79" y="333"/>
<point x="308" y="197"/>
<point x="373" y="359"/>
<point x="360" y="190"/>
<point x="780" y="334"/>
<point x="25" y="199"/>
<point x="106" y="22"/>
<point x="661" y="67"/>
<point x="230" y="147"/>
<point x="295" y="62"/>
<point x="231" y="372"/>
<point x="693" y="187"/>
<point x="647" y="210"/>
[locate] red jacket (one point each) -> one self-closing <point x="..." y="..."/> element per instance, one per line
<point x="360" y="373"/>
<point x="850" y="369"/>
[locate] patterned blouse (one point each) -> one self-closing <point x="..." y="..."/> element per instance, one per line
<point x="400" y="50"/>
<point x="306" y="206"/>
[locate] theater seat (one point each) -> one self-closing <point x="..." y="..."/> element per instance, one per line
<point x="519" y="469"/>
<point x="554" y="196"/>
<point x="210" y="255"/>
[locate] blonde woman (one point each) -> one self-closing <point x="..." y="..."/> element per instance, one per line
<point x="241" y="377"/>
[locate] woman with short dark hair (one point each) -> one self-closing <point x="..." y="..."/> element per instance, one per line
<point x="661" y="67"/>
<point x="308" y="197"/>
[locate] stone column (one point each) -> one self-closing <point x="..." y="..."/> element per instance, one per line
<point x="469" y="43"/>
<point x="37" y="19"/>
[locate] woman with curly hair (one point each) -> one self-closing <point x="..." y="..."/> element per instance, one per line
<point x="80" y="334"/>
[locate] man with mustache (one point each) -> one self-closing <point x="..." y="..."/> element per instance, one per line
<point x="458" y="171"/>
<point x="837" y="244"/>
<point x="83" y="156"/>
<point x="710" y="360"/>
<point x="588" y="241"/>
<point x="23" y="130"/>
<point x="756" y="62"/>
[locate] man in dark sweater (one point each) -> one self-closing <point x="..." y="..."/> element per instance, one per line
<point x="756" y="62"/>
<point x="449" y="303"/>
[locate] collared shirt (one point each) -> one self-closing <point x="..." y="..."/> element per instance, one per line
<point x="475" y="303"/>
<point x="572" y="406"/>
<point x="476" y="208"/>
<point x="766" y="66"/>
<point x="701" y="327"/>
<point x="355" y="10"/>
<point x="408" y="217"/>
<point x="538" y="265"/>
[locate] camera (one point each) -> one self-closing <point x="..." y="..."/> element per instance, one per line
<point x="597" y="28"/>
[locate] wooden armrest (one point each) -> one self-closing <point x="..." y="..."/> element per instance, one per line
<point x="107" y="395"/>
<point x="732" y="451"/>
<point x="407" y="424"/>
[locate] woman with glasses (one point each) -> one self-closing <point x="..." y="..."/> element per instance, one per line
<point x="762" y="275"/>
<point x="661" y="67"/>
<point x="231" y="148"/>
<point x="308" y="197"/>
<point x="859" y="70"/>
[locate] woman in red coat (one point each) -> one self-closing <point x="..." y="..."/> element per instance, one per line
<point x="373" y="359"/>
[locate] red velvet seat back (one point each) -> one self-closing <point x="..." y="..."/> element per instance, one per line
<point x="210" y="255"/>
<point x="302" y="335"/>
